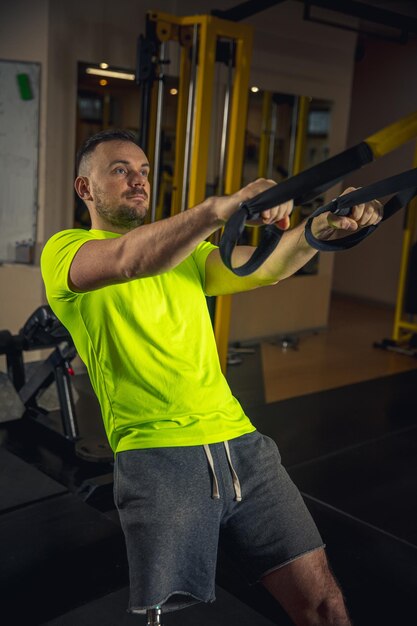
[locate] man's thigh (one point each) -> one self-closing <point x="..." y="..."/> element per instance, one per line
<point x="271" y="526"/>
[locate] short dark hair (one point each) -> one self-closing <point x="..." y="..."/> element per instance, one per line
<point x="92" y="142"/>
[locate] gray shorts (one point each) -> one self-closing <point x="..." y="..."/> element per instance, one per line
<point x="175" y="503"/>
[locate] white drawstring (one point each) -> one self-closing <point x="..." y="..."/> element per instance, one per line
<point x="235" y="478"/>
<point x="236" y="483"/>
<point x="215" y="491"/>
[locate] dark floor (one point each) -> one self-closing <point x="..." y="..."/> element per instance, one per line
<point x="351" y="450"/>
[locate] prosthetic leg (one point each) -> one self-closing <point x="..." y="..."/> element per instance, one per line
<point x="154" y="617"/>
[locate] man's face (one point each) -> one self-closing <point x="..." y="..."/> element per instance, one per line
<point x="119" y="180"/>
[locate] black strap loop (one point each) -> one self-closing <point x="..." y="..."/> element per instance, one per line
<point x="302" y="188"/>
<point x="405" y="184"/>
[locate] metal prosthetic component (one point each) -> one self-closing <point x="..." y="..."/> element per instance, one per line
<point x="154" y="617"/>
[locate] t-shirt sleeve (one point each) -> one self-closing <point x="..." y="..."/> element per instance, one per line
<point x="200" y="255"/>
<point x="56" y="260"/>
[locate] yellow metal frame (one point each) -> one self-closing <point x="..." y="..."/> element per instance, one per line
<point x="300" y="148"/>
<point x="393" y="136"/>
<point x="300" y="140"/>
<point x="234" y="167"/>
<point x="382" y="142"/>
<point x="209" y="30"/>
<point x="403" y="329"/>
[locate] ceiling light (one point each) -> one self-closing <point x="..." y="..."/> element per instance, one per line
<point x="110" y="73"/>
<point x="254" y="89"/>
<point x="104" y="66"/>
<point x="103" y="82"/>
<point x="173" y="91"/>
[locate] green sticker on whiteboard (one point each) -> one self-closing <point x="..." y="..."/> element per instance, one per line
<point x="25" y="88"/>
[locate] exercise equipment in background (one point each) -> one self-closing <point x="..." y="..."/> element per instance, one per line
<point x="25" y="384"/>
<point x="404" y="332"/>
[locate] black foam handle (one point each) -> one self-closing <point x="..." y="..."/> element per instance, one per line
<point x="308" y="184"/>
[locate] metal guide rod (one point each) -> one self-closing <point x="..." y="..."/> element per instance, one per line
<point x="225" y="125"/>
<point x="234" y="167"/>
<point x="184" y="79"/>
<point x="300" y="140"/>
<point x="265" y="130"/>
<point x="271" y="147"/>
<point x="157" y="159"/>
<point x="401" y="326"/>
<point x="67" y="406"/>
<point x="190" y="119"/>
<point x="291" y="155"/>
<point x="266" y="154"/>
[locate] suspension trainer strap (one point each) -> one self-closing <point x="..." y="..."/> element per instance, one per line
<point x="403" y="185"/>
<point x="302" y="188"/>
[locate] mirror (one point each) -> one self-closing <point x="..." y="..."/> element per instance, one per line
<point x="285" y="135"/>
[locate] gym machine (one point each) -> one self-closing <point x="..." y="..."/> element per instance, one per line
<point x="42" y="330"/>
<point x="204" y="41"/>
<point x="404" y="332"/>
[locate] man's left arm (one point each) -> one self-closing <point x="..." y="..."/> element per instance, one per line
<point x="292" y="253"/>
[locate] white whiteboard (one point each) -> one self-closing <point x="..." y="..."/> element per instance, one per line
<point x="19" y="147"/>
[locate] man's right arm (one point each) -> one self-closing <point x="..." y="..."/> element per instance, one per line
<point x="154" y="248"/>
<point x="144" y="251"/>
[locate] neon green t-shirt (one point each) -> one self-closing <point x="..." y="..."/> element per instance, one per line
<point x="149" y="349"/>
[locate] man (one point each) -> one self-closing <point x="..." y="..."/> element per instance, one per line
<point x="189" y="464"/>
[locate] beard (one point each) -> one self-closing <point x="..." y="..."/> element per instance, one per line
<point x="123" y="216"/>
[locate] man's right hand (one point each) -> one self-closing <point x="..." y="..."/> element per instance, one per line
<point x="226" y="206"/>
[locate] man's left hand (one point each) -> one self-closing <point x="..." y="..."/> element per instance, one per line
<point x="331" y="226"/>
